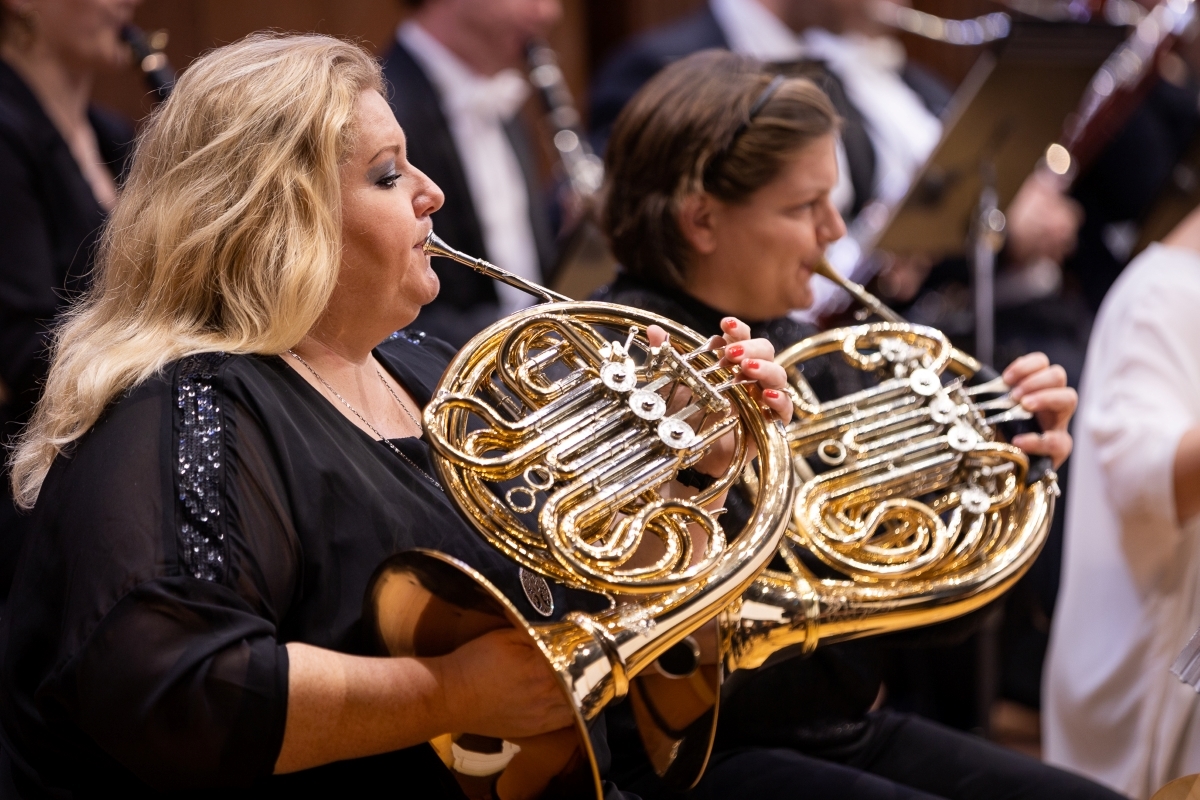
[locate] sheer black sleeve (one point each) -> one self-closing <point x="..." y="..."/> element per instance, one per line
<point x="146" y="617"/>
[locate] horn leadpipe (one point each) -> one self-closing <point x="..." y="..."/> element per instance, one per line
<point x="857" y="291"/>
<point x="434" y="246"/>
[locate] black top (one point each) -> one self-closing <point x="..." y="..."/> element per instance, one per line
<point x="815" y="704"/>
<point x="209" y="517"/>
<point x="48" y="224"/>
<point x="467" y="301"/>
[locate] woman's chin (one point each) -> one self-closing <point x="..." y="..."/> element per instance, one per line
<point x="429" y="288"/>
<point x="800" y="301"/>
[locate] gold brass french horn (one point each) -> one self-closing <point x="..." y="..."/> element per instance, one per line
<point x="908" y="509"/>
<point x="555" y="434"/>
<point x="920" y="513"/>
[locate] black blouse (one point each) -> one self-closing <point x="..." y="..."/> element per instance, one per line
<point x="49" y="219"/>
<point x="209" y="517"/>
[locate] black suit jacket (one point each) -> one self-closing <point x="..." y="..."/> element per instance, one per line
<point x="49" y="222"/>
<point x="467" y="300"/>
<point x="631" y="67"/>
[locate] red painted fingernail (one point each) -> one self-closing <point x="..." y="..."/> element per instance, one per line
<point x="735" y="351"/>
<point x="771" y="393"/>
<point x="729" y="322"/>
<point x="751" y="364"/>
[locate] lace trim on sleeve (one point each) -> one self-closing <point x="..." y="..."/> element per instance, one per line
<point x="199" y="467"/>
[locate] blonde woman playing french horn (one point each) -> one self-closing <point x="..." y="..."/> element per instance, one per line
<point x="727" y="169"/>
<point x="224" y="453"/>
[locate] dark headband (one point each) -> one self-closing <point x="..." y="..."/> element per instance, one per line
<point x="755" y="109"/>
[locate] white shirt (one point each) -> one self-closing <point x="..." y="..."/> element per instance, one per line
<point x="1130" y="594"/>
<point x="476" y="108"/>
<point x="754" y="31"/>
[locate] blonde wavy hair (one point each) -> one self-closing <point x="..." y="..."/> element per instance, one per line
<point x="225" y="237"/>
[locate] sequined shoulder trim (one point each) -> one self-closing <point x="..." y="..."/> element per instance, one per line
<point x="409" y="335"/>
<point x="199" y="467"/>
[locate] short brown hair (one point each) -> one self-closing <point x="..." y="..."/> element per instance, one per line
<point x="671" y="140"/>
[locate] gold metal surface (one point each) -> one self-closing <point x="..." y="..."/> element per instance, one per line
<point x="909" y="509"/>
<point x="559" y="432"/>
<point x="1187" y="788"/>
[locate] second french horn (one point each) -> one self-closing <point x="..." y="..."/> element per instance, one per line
<point x="910" y="510"/>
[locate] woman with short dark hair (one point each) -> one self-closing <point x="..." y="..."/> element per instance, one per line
<point x="719" y="175"/>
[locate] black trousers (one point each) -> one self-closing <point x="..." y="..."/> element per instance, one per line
<point x="902" y="757"/>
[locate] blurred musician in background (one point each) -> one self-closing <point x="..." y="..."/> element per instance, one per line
<point x="1121" y="187"/>
<point x="750" y="27"/>
<point x="457" y="75"/>
<point x="719" y="202"/>
<point x="60" y="160"/>
<point x="898" y="103"/>
<point x="1131" y="582"/>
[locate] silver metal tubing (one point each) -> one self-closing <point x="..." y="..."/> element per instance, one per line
<point x="434" y="246"/>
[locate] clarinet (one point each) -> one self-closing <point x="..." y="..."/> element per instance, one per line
<point x="151" y="60"/>
<point x="583" y="169"/>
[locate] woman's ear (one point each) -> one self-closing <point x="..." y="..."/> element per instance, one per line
<point x="696" y="223"/>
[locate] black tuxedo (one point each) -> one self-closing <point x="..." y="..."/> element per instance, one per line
<point x="467" y="301"/>
<point x="631" y="67"/>
<point x="49" y="223"/>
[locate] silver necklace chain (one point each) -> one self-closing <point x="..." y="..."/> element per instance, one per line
<point x="374" y="430"/>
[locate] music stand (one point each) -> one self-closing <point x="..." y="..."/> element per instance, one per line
<point x="1008" y="110"/>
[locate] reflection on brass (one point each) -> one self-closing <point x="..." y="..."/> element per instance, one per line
<point x="909" y="510"/>
<point x="558" y="432"/>
<point x="1187" y="788"/>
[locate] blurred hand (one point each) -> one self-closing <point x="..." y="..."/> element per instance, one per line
<point x="501" y="685"/>
<point x="1041" y="387"/>
<point x="902" y="276"/>
<point x="1042" y="221"/>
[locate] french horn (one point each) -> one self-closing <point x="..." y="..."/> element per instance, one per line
<point x="910" y="510"/>
<point x="559" y="432"/>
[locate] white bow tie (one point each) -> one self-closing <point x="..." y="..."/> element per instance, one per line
<point x="496" y="98"/>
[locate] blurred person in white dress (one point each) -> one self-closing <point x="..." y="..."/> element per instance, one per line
<point x="1130" y="596"/>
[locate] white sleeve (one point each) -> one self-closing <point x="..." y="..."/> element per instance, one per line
<point x="1142" y="399"/>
